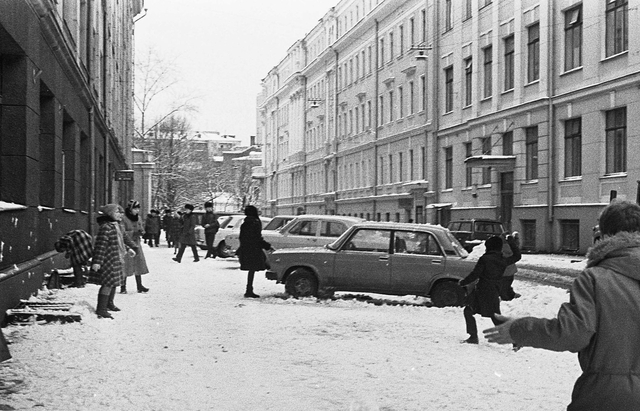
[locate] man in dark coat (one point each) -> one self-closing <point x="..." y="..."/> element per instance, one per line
<point x="167" y="221"/>
<point x="152" y="227"/>
<point x="601" y="321"/>
<point x="211" y="226"/>
<point x="485" y="298"/>
<point x="250" y="253"/>
<point x="187" y="234"/>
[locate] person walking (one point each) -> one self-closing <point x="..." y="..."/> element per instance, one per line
<point x="211" y="226"/>
<point x="78" y="248"/>
<point x="484" y="299"/>
<point x="167" y="220"/>
<point x="187" y="234"/>
<point x="152" y="227"/>
<point x="111" y="245"/>
<point x="176" y="229"/>
<point x="250" y="253"/>
<point x="601" y="321"/>
<point x="136" y="265"/>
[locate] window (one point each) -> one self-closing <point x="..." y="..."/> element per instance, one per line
<point x="413" y="242"/>
<point x="381" y="170"/>
<point x="448" y="167"/>
<point x="400" y="102"/>
<point x="448" y="18"/>
<point x="488" y="71"/>
<point x="381" y="111"/>
<point x="391" y="107"/>
<point x="468" y="82"/>
<point x="391" y="46"/>
<point x="304" y="227"/>
<point x="423" y="93"/>
<point x="616" y="140"/>
<point x="370" y="240"/>
<point x="391" y="179"/>
<point x="401" y="33"/>
<point x="508" y="63"/>
<point x="412" y="31"/>
<point x="486" y="150"/>
<point x="573" y="147"/>
<point x="468" y="152"/>
<point x="533" y="50"/>
<point x="507" y="143"/>
<point x="570" y="233"/>
<point x="448" y="89"/>
<point x="423" y="16"/>
<point x="332" y="229"/>
<point x="400" y="167"/>
<point x="532" y="153"/>
<point x="529" y="234"/>
<point x="617" y="27"/>
<point x="411" y="165"/>
<point x="369" y="112"/>
<point x="573" y="38"/>
<point x="423" y="163"/>
<point x="412" y="107"/>
<point x="467" y="9"/>
<point x="381" y="62"/>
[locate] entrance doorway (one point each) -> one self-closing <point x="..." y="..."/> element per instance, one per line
<point x="506" y="199"/>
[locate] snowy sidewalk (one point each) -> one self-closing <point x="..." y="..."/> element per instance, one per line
<point x="193" y="343"/>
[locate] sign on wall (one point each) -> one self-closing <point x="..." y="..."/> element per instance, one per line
<point x="123" y="175"/>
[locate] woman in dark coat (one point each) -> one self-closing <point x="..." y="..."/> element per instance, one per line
<point x="250" y="252"/>
<point x="187" y="234"/>
<point x="109" y="250"/>
<point x="485" y="298"/>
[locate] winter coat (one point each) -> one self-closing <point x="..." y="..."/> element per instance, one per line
<point x="152" y="225"/>
<point x="250" y="253"/>
<point x="601" y="322"/>
<point x="485" y="298"/>
<point x="175" y="228"/>
<point x="133" y="228"/>
<point x="187" y="233"/>
<point x="212" y="220"/>
<point x="107" y="253"/>
<point x="77" y="247"/>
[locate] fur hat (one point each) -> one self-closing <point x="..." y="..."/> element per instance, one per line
<point x="189" y="207"/>
<point x="493" y="244"/>
<point x="110" y="209"/>
<point x="133" y="204"/>
<point x="208" y="204"/>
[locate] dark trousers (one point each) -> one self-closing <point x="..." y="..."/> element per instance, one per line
<point x="181" y="252"/>
<point x="154" y="239"/>
<point x="210" y="238"/>
<point x="472" y="327"/>
<point x="78" y="274"/>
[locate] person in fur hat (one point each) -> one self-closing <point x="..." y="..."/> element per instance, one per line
<point x="211" y="226"/>
<point x="601" y="321"/>
<point x="136" y="265"/>
<point x="484" y="299"/>
<point x="111" y="245"/>
<point x="187" y="235"/>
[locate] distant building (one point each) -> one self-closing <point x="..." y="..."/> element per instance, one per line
<point x="521" y="111"/>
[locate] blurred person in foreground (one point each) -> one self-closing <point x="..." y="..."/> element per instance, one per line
<point x="111" y="245"/>
<point x="484" y="299"/>
<point x="250" y="253"/>
<point x="601" y="321"/>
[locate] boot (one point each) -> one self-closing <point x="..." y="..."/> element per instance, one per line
<point x="141" y="288"/>
<point x="110" y="305"/>
<point x="123" y="289"/>
<point x="473" y="339"/>
<point x="101" y="310"/>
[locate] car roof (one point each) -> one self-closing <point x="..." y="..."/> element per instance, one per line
<point x="330" y="217"/>
<point x="401" y="226"/>
<point x="484" y="220"/>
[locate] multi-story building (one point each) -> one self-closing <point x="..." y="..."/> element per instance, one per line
<point x="434" y="110"/>
<point x="66" y="125"/>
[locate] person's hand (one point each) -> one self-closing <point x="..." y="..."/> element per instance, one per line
<point x="131" y="253"/>
<point x="95" y="267"/>
<point x="272" y="249"/>
<point x="500" y="333"/>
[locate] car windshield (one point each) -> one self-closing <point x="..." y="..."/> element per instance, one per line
<point x="456" y="245"/>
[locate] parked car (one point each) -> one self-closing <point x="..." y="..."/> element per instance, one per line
<point x="233" y="241"/>
<point x="310" y="230"/>
<point x="378" y="257"/>
<point x="228" y="224"/>
<point x="472" y="232"/>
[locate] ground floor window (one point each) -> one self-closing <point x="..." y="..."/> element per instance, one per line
<point x="570" y="233"/>
<point x="528" y="239"/>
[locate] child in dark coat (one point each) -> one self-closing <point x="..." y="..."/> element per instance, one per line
<point x="485" y="298"/>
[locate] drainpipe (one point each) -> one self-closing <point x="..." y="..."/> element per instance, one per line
<point x="92" y="165"/>
<point x="304" y="141"/>
<point x="375" y="122"/>
<point x="435" y="109"/>
<point x="334" y="144"/>
<point x="551" y="167"/>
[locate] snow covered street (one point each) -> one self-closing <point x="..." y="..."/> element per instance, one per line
<point x="194" y="343"/>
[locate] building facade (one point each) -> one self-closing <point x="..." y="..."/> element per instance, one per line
<point x="427" y="111"/>
<point x="66" y="121"/>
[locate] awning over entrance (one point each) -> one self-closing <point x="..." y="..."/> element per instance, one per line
<point x="503" y="163"/>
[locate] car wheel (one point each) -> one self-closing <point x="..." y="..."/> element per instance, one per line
<point x="301" y="283"/>
<point x="447" y="294"/>
<point x="224" y="251"/>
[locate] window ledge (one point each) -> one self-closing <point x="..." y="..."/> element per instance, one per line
<point x="571" y="179"/>
<point x="530" y="182"/>
<point x="614" y="56"/>
<point x="537" y="81"/>
<point x="614" y="175"/>
<point x="571" y="71"/>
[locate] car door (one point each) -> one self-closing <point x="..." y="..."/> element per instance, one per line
<point x="417" y="258"/>
<point x="302" y="233"/>
<point x="362" y="263"/>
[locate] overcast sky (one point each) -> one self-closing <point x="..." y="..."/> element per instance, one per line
<point x="223" y="49"/>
